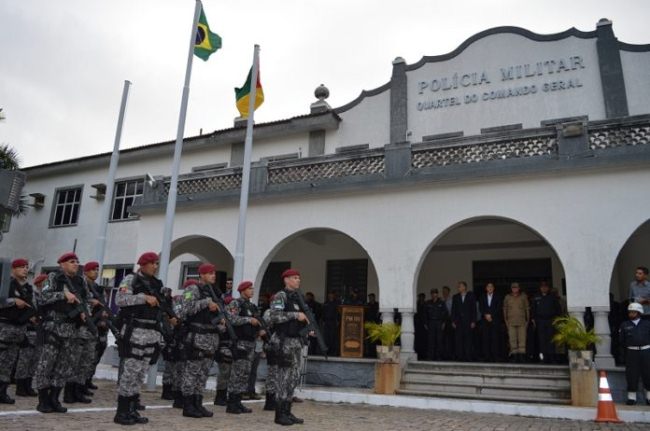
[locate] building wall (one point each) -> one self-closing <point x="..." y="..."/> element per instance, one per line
<point x="637" y="80"/>
<point x="373" y="115"/>
<point x="489" y="58"/>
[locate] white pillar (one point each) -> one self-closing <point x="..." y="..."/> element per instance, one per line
<point x="578" y="313"/>
<point x="604" y="356"/>
<point x="387" y="316"/>
<point x="408" y="332"/>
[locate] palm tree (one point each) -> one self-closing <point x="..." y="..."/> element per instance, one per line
<point x="9" y="161"/>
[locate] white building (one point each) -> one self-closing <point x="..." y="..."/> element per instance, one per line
<point x="517" y="156"/>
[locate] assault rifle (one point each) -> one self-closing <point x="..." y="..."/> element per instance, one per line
<point x="313" y="325"/>
<point x="103" y="308"/>
<point x="81" y="307"/>
<point x="163" y="307"/>
<point x="223" y="313"/>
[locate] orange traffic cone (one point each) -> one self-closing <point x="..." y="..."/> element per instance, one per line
<point x="606" y="408"/>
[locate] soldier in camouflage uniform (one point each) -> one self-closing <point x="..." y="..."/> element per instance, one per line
<point x="247" y="328"/>
<point x="224" y="360"/>
<point x="200" y="315"/>
<point x="286" y="345"/>
<point x="140" y="335"/>
<point x="173" y="355"/>
<point x="100" y="316"/>
<point x="61" y="316"/>
<point x="272" y="370"/>
<point x="85" y="350"/>
<point x="13" y="323"/>
<point x="29" y="351"/>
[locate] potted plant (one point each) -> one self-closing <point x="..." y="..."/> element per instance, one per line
<point x="571" y="332"/>
<point x="386" y="334"/>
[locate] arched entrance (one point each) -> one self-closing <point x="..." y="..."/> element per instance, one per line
<point x="634" y="253"/>
<point x="334" y="267"/>
<point x="479" y="251"/>
<point x="188" y="252"/>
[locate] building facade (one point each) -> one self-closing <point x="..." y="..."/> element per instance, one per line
<point x="516" y="157"/>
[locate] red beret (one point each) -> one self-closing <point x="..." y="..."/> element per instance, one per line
<point x="66" y="257"/>
<point x="205" y="268"/>
<point x="227" y="299"/>
<point x="289" y="272"/>
<point x="190" y="282"/>
<point x="244" y="285"/>
<point x="90" y="266"/>
<point x="148" y="257"/>
<point x="40" y="278"/>
<point x="19" y="262"/>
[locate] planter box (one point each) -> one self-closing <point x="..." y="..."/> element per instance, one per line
<point x="584" y="380"/>
<point x="387" y="377"/>
<point x="388" y="354"/>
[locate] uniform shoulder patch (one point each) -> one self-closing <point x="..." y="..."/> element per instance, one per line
<point x="277" y="304"/>
<point x="188" y="295"/>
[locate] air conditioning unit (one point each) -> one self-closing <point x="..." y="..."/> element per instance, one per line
<point x="11" y="186"/>
<point x="100" y="191"/>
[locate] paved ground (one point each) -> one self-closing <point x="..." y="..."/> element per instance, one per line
<point x="318" y="416"/>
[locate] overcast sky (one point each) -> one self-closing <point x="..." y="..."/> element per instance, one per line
<point x="63" y="63"/>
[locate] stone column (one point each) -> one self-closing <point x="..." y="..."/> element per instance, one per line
<point x="408" y="333"/>
<point x="578" y="313"/>
<point x="604" y="356"/>
<point x="387" y="316"/>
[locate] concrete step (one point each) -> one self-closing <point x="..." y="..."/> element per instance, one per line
<point x="486" y="379"/>
<point x="485" y="397"/>
<point x="494" y="390"/>
<point x="491" y="368"/>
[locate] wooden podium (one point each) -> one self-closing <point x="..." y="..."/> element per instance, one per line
<point x="352" y="331"/>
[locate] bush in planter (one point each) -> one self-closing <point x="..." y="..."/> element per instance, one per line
<point x="572" y="333"/>
<point x="385" y="333"/>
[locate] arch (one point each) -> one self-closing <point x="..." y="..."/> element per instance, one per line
<point x="469" y="220"/>
<point x="637" y="243"/>
<point x="314" y="232"/>
<point x="205" y="249"/>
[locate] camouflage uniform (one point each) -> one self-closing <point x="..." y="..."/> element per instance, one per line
<point x="102" y="331"/>
<point x="286" y="343"/>
<point x="29" y="351"/>
<point x="13" y="328"/>
<point x="56" y="361"/>
<point x="224" y="360"/>
<point x="272" y="368"/>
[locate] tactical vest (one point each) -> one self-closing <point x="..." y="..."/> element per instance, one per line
<point x="247" y="331"/>
<point x="24" y="292"/>
<point x="204" y="316"/>
<point x="75" y="285"/>
<point x="635" y="335"/>
<point x="143" y="284"/>
<point x="292" y="327"/>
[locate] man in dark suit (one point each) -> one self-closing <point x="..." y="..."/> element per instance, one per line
<point x="463" y="318"/>
<point x="491" y="308"/>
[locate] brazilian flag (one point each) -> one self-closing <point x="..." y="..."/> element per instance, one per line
<point x="205" y="42"/>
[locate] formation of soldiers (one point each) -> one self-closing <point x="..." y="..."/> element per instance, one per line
<point x="53" y="334"/>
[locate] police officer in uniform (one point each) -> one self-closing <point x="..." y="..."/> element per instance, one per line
<point x="61" y="317"/>
<point x="198" y="312"/>
<point x="635" y="339"/>
<point x="140" y="335"/>
<point x="91" y="273"/>
<point x="29" y="351"/>
<point x="545" y="308"/>
<point x="436" y="315"/>
<point x="288" y="320"/>
<point x="14" y="317"/>
<point x="224" y="360"/>
<point x="244" y="317"/>
<point x="85" y="341"/>
<point x="272" y="364"/>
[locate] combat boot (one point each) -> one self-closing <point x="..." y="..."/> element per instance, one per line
<point x="167" y="393"/>
<point x="55" y="391"/>
<point x="123" y="414"/>
<point x="178" y="400"/>
<point x="79" y="393"/>
<point x="281" y="417"/>
<point x="242" y="408"/>
<point x="198" y="403"/>
<point x="290" y="415"/>
<point x="134" y="401"/>
<point x="269" y="404"/>
<point x="69" y="393"/>
<point x="221" y="397"/>
<point x="90" y="385"/>
<point x="28" y="388"/>
<point x="44" y="401"/>
<point x="21" y="390"/>
<point x="84" y="389"/>
<point x="138" y="405"/>
<point x="189" y="409"/>
<point x="4" y="397"/>
<point x="233" y="404"/>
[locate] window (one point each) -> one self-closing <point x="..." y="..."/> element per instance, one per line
<point x="5" y="222"/>
<point x="66" y="207"/>
<point x="124" y="196"/>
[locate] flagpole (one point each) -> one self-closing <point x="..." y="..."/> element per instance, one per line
<point x="178" y="148"/>
<point x="173" y="186"/>
<point x="110" y="182"/>
<point x="238" y="271"/>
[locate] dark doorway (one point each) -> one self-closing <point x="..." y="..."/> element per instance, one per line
<point x="272" y="280"/>
<point x="527" y="272"/>
<point x="344" y="276"/>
